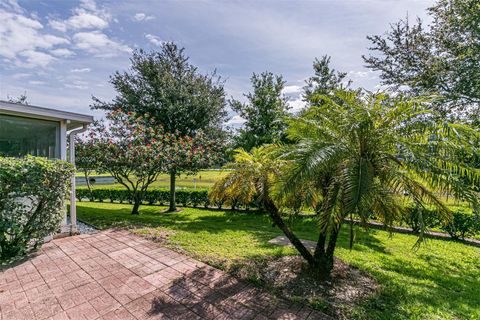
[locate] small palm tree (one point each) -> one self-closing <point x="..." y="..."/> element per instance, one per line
<point x="371" y="154"/>
<point x="359" y="154"/>
<point x="254" y="174"/>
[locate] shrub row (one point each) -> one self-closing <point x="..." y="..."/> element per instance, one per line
<point x="185" y="198"/>
<point x="462" y="225"/>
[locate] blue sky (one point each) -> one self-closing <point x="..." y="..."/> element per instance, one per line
<point x="62" y="52"/>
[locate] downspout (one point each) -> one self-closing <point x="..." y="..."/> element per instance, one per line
<point x="73" y="199"/>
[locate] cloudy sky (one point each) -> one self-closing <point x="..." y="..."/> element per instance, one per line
<point x="61" y="52"/>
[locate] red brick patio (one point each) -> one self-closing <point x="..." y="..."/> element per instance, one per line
<point x="116" y="275"/>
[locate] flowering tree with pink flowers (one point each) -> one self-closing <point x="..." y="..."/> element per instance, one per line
<point x="135" y="150"/>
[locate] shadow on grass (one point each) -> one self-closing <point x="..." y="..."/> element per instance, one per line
<point x="429" y="288"/>
<point x="410" y="287"/>
<point x="210" y="294"/>
<point x="194" y="220"/>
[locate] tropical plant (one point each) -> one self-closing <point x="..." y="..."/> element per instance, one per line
<point x="376" y="153"/>
<point x="32" y="202"/>
<point x="254" y="175"/>
<point x="175" y="94"/>
<point x="368" y="155"/>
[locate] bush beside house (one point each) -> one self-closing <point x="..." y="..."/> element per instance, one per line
<point x="32" y="202"/>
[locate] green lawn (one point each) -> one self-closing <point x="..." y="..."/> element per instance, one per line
<point x="203" y="179"/>
<point x="441" y="280"/>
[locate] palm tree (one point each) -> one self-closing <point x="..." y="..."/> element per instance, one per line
<point x="254" y="173"/>
<point x="372" y="154"/>
<point x="360" y="154"/>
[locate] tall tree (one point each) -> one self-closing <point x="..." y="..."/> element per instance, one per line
<point x="171" y="90"/>
<point x="442" y="58"/>
<point x="264" y="112"/>
<point x="325" y="81"/>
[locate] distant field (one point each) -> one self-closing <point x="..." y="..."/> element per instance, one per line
<point x="203" y="179"/>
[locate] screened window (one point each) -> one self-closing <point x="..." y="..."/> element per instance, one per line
<point x="21" y="136"/>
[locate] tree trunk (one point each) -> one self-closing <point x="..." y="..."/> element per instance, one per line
<point x="136" y="204"/>
<point x="89" y="186"/>
<point x="137" y="200"/>
<point x="320" y="266"/>
<point x="277" y="219"/>
<point x="324" y="257"/>
<point x="87" y="180"/>
<point x="328" y="262"/>
<point x="173" y="206"/>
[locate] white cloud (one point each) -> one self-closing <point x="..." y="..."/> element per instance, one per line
<point x="81" y="70"/>
<point x="21" y="75"/>
<point x="11" y="5"/>
<point x="142" y="17"/>
<point x="82" y="20"/>
<point x="62" y="52"/>
<point x="76" y="86"/>
<point x="358" y="75"/>
<point x="98" y="44"/>
<point x="296" y="105"/>
<point x="87" y="16"/>
<point x="154" y="39"/>
<point x="35" y="59"/>
<point x="235" y="121"/>
<point x="89" y="5"/>
<point x="23" y="40"/>
<point x="36" y="82"/>
<point x="292" y="89"/>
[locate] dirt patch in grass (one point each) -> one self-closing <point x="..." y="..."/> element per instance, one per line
<point x="157" y="234"/>
<point x="289" y="277"/>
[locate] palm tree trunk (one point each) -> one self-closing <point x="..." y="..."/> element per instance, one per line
<point x="324" y="257"/>
<point x="320" y="248"/>
<point x="332" y="244"/>
<point x="295" y="241"/>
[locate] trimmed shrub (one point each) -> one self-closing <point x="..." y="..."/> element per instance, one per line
<point x="32" y="202"/>
<point x="463" y="225"/>
<point x="153" y="196"/>
<point x="415" y="215"/>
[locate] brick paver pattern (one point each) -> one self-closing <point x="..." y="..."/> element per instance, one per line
<point x="116" y="275"/>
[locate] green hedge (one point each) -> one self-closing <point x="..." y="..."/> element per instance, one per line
<point x="32" y="202"/>
<point x="185" y="198"/>
<point x="462" y="225"/>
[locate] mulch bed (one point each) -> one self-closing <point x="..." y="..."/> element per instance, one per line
<point x="289" y="277"/>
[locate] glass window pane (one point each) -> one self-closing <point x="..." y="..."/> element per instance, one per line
<point x="20" y="136"/>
